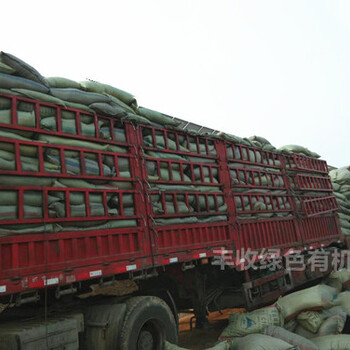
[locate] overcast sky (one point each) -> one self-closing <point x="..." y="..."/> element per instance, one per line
<point x="278" y="69"/>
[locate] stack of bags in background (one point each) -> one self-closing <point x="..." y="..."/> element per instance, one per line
<point x="310" y="319"/>
<point x="341" y="185"/>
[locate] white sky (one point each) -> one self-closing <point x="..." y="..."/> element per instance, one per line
<point x="278" y="69"/>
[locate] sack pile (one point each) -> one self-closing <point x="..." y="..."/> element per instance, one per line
<point x="310" y="319"/>
<point x="188" y="178"/>
<point x="20" y="79"/>
<point x="303" y="151"/>
<point x="17" y="77"/>
<point x="341" y="188"/>
<point x="261" y="180"/>
<point x="194" y="175"/>
<point x="182" y="168"/>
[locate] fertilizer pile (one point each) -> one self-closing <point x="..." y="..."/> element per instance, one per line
<point x="310" y="319"/>
<point x="181" y="166"/>
<point x="193" y="171"/>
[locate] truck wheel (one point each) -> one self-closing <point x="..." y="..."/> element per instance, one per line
<point x="148" y="323"/>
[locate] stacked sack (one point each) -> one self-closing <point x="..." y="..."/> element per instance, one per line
<point x="19" y="78"/>
<point x="310" y="319"/>
<point x="261" y="180"/>
<point x="160" y="173"/>
<point x="303" y="151"/>
<point x="341" y="189"/>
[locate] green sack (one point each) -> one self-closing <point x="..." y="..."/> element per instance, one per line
<point x="78" y="96"/>
<point x="58" y="82"/>
<point x="157" y="117"/>
<point x="94" y="86"/>
<point x="4" y="68"/>
<point x="10" y="82"/>
<point x="108" y="109"/>
<point x="22" y="68"/>
<point x="40" y="96"/>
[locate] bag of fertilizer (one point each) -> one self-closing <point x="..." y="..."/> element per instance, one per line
<point x="317" y="297"/>
<point x="35" y="95"/>
<point x="78" y="96"/>
<point x="9" y="230"/>
<point x="11" y="81"/>
<point x="340" y="176"/>
<point x="342" y="300"/>
<point x="332" y="325"/>
<point x="95" y="87"/>
<point x="311" y="320"/>
<point x="251" y="322"/>
<point x="62" y="83"/>
<point x="22" y="68"/>
<point x="258" y="342"/>
<point x="290" y="338"/>
<point x="73" y="143"/>
<point x="339" y="279"/>
<point x="157" y="117"/>
<point x="132" y="117"/>
<point x="259" y="139"/>
<point x="4" y="68"/>
<point x="108" y="109"/>
<point x="121" y="104"/>
<point x="8" y="180"/>
<point x="300" y="150"/>
<point x="333" y="342"/>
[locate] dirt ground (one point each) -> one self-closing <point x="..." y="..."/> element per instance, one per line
<point x="198" y="339"/>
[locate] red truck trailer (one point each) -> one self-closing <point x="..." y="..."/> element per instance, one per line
<point x="111" y="257"/>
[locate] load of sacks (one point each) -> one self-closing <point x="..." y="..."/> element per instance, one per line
<point x="310" y="319"/>
<point x="19" y="78"/>
<point x="264" y="173"/>
<point x="190" y="176"/>
<point x="276" y="195"/>
<point x="268" y="198"/>
<point x="264" y="144"/>
<point x="33" y="206"/>
<point x="341" y="188"/>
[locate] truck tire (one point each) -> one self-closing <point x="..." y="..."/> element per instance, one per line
<point x="148" y="323"/>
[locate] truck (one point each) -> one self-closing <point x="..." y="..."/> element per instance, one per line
<point x="110" y="227"/>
